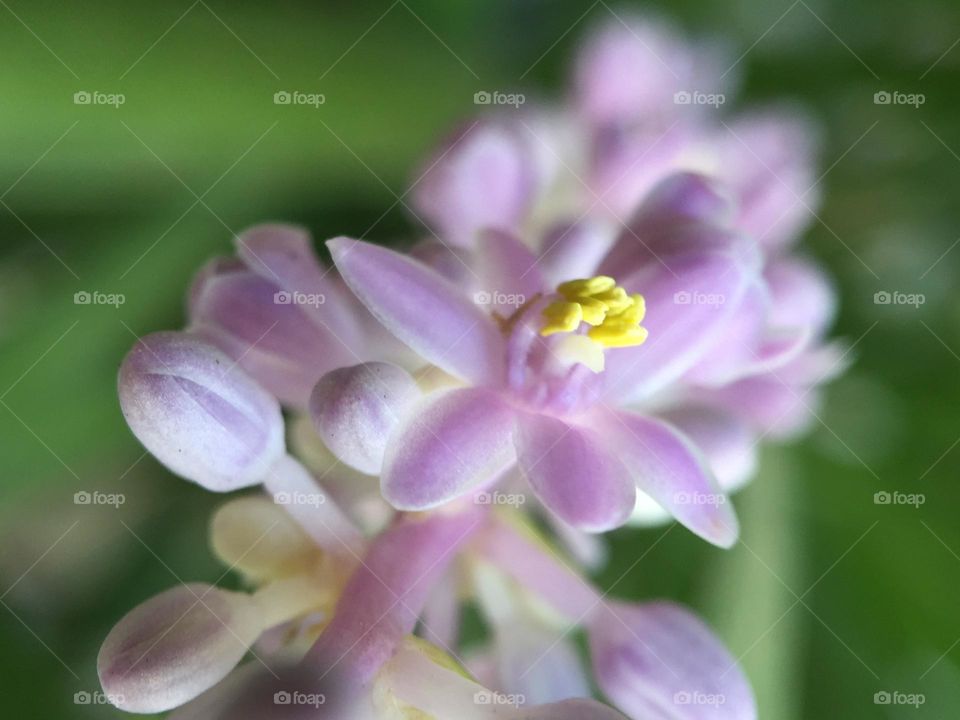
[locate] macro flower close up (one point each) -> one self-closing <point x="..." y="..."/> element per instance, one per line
<point x="605" y="316"/>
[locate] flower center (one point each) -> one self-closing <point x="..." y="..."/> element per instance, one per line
<point x="614" y="317"/>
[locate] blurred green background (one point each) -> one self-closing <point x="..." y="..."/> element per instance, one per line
<point x="829" y="599"/>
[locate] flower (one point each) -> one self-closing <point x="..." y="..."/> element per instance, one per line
<point x="539" y="389"/>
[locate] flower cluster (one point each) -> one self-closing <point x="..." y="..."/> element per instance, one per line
<point x="605" y="320"/>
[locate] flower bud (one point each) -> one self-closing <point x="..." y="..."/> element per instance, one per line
<point x="175" y="646"/>
<point x="355" y="410"/>
<point x="198" y="413"/>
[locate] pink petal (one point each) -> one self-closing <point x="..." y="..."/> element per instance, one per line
<point x="658" y="661"/>
<point x="274" y="339"/>
<point x="454" y="441"/>
<point x="769" y="159"/>
<point x="482" y="178"/>
<point x="802" y="296"/>
<point x="354" y="409"/>
<point x="691" y="299"/>
<point x="423" y="310"/>
<point x="573" y="473"/>
<point x="727" y="443"/>
<point x="509" y="272"/>
<point x="670" y="469"/>
<point x="574" y="250"/>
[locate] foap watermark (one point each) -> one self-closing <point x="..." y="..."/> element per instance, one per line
<point x="500" y="498"/>
<point x="483" y="297"/>
<point x="884" y="297"/>
<point x="895" y="697"/>
<point x="685" y="97"/>
<point x="699" y="698"/>
<point x="685" y="297"/>
<point x="698" y="498"/>
<point x="282" y="697"/>
<point x="83" y="297"/>
<point x="84" y="697"/>
<point x="299" y="498"/>
<point x="899" y="498"/>
<point x="485" y="97"/>
<point x="283" y="297"/>
<point x="489" y="697"/>
<point x="296" y="97"/>
<point x="85" y="97"/>
<point x="83" y="497"/>
<point x="895" y="97"/>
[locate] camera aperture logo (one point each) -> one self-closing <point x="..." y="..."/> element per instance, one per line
<point x="296" y="97"/>
<point x="283" y="297"/>
<point x="686" y="297"/>
<point x="895" y="97"/>
<point x="83" y="697"/>
<point x="698" y="498"/>
<point x="283" y="697"/>
<point x="500" y="498"/>
<point x="299" y="498"/>
<point x="685" y="97"/>
<point x="83" y="497"/>
<point x="489" y="697"/>
<point x="84" y="297"/>
<point x="495" y="97"/>
<point x="699" y="698"/>
<point x="95" y="97"/>
<point x="885" y="297"/>
<point x="496" y="297"/>
<point x="895" y="697"/>
<point x="899" y="498"/>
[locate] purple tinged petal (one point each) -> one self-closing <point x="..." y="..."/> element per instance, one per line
<point x="728" y="444"/>
<point x="574" y="474"/>
<point x="386" y="594"/>
<point x="658" y="661"/>
<point x="682" y="212"/>
<point x="509" y="272"/>
<point x="175" y="646"/>
<point x="355" y="409"/>
<point x="281" y="253"/>
<point x="423" y="310"/>
<point x="268" y="335"/>
<point x="453" y="263"/>
<point x="691" y="299"/>
<point x="483" y="177"/>
<point x="630" y="68"/>
<point x="454" y="441"/>
<point x="802" y="296"/>
<point x="198" y="413"/>
<point x="573" y="250"/>
<point x="768" y="158"/>
<point x="669" y="468"/>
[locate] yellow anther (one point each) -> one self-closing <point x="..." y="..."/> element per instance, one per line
<point x="614" y="314"/>
<point x="586" y="286"/>
<point x="594" y="311"/>
<point x="618" y="337"/>
<point x="562" y="317"/>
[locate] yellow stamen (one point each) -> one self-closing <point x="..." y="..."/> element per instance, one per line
<point x="562" y="317"/>
<point x="614" y="315"/>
